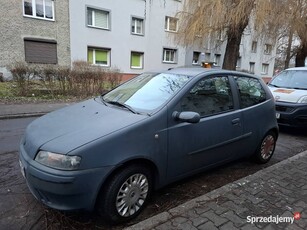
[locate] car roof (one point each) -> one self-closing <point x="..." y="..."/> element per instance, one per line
<point x="190" y="71"/>
<point x="194" y="71"/>
<point x="298" y="68"/>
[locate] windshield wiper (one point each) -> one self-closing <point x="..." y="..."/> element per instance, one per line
<point x="123" y="105"/>
<point x="299" y="88"/>
<point x="274" y="85"/>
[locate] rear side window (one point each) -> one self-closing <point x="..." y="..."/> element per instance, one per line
<point x="250" y="91"/>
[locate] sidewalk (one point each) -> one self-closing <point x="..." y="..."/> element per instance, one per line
<point x="29" y="110"/>
<point x="277" y="193"/>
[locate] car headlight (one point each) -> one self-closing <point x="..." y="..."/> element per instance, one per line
<point x="303" y="99"/>
<point x="58" y="161"/>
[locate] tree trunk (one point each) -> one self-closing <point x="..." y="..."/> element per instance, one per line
<point x="301" y="56"/>
<point x="288" y="55"/>
<point x="232" y="51"/>
<point x="234" y="35"/>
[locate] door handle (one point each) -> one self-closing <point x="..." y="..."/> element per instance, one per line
<point x="236" y="121"/>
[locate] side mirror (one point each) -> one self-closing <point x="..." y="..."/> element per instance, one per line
<point x="190" y="117"/>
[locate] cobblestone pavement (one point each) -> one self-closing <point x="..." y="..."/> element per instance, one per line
<point x="277" y="193"/>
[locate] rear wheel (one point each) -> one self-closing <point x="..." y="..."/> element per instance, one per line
<point x="126" y="194"/>
<point x="266" y="148"/>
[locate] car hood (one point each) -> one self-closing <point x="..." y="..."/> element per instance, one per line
<point x="69" y="128"/>
<point x="287" y="95"/>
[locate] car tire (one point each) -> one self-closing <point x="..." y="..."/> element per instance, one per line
<point x="125" y="194"/>
<point x="266" y="148"/>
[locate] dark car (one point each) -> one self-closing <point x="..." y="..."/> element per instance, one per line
<point x="110" y="152"/>
<point x="289" y="89"/>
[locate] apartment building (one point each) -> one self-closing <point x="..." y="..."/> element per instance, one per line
<point x="138" y="35"/>
<point x="34" y="31"/>
<point x="133" y="36"/>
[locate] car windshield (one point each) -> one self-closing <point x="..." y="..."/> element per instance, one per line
<point x="294" y="79"/>
<point x="147" y="92"/>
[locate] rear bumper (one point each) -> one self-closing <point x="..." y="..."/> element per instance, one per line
<point x="292" y="114"/>
<point x="62" y="190"/>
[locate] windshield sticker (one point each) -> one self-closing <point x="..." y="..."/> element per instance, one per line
<point x="288" y="91"/>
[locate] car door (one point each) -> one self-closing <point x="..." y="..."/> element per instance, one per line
<point x="214" y="139"/>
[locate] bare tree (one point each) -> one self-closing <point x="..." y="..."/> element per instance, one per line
<point x="300" y="25"/>
<point x="203" y="18"/>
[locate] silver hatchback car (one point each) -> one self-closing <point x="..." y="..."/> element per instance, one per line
<point x="112" y="151"/>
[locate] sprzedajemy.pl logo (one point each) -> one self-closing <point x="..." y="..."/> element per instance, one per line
<point x="273" y="219"/>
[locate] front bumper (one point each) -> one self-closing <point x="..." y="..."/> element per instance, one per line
<point x="292" y="114"/>
<point x="62" y="190"/>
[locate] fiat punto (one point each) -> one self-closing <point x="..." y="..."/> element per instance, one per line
<point x="112" y="151"/>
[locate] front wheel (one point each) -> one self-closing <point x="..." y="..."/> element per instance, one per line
<point x="266" y="148"/>
<point x="126" y="194"/>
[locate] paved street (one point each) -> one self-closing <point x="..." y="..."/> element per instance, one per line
<point x="219" y="198"/>
<point x="20" y="210"/>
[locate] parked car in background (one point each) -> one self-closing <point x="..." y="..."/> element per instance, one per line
<point x="112" y="151"/>
<point x="289" y="89"/>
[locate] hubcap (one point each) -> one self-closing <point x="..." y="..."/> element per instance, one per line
<point x="131" y="195"/>
<point x="267" y="147"/>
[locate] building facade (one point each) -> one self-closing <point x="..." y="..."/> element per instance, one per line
<point x="132" y="36"/>
<point x="34" y="31"/>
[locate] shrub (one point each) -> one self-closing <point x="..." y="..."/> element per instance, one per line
<point x="81" y="80"/>
<point x="22" y="74"/>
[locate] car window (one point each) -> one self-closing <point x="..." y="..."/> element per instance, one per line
<point x="250" y="91"/>
<point x="147" y="91"/>
<point x="209" y="96"/>
<point x="291" y="79"/>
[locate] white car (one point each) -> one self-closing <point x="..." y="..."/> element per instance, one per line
<point x="289" y="89"/>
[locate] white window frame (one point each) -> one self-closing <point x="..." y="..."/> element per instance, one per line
<point x="167" y="24"/>
<point x="134" y="21"/>
<point x="174" y="54"/>
<point x="141" y="59"/>
<point x="94" y="10"/>
<point x="265" y="68"/>
<point x="94" y="56"/>
<point x="34" y="10"/>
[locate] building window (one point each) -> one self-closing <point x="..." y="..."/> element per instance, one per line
<point x="267" y="49"/>
<point x="196" y="56"/>
<point x="136" y="60"/>
<point x="207" y="57"/>
<point x="171" y="24"/>
<point x="99" y="56"/>
<point x="42" y="9"/>
<point x="169" y="55"/>
<point x="40" y="51"/>
<point x="239" y="60"/>
<point x="254" y="47"/>
<point x="252" y="67"/>
<point x="137" y="26"/>
<point x="98" y="18"/>
<point x="217" y="59"/>
<point x="265" y="68"/>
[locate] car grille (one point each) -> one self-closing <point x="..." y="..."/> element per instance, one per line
<point x="284" y="108"/>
